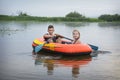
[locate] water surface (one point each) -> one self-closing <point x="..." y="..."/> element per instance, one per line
<point x="17" y="61"/>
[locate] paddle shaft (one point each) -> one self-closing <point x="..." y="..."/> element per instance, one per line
<point x="92" y="46"/>
<point x="64" y="37"/>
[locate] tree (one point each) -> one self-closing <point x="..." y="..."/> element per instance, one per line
<point x="22" y="14"/>
<point x="107" y="17"/>
<point x="74" y="15"/>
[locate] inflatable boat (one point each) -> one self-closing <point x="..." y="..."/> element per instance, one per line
<point x="68" y="49"/>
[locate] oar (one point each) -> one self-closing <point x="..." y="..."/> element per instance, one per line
<point x="64" y="37"/>
<point x="38" y="48"/>
<point x="95" y="48"/>
<point x="50" y="45"/>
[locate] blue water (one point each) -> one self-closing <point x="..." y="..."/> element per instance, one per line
<point x="17" y="62"/>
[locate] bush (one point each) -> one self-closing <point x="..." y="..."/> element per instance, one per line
<point x="107" y="17"/>
<point x="74" y="15"/>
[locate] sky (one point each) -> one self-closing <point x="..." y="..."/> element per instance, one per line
<point x="59" y="8"/>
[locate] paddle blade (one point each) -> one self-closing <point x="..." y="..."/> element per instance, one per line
<point x="38" y="48"/>
<point x="95" y="48"/>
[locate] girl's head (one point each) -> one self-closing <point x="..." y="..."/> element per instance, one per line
<point x="50" y="29"/>
<point x="76" y="34"/>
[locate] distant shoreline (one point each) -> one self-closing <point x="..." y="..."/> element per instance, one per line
<point x="54" y="19"/>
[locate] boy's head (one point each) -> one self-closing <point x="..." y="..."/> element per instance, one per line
<point x="50" y="29"/>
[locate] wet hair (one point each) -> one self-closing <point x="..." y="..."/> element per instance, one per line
<point x="76" y="31"/>
<point x="50" y="26"/>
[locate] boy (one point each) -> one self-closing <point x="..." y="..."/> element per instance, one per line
<point x="50" y="36"/>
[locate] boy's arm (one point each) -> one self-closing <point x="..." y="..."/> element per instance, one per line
<point x="47" y="36"/>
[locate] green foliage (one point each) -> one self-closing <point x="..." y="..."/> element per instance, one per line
<point x="107" y="17"/>
<point x="74" y="15"/>
<point x="33" y="18"/>
<point x="75" y="18"/>
<point x="22" y="14"/>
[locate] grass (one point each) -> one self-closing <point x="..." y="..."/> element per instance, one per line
<point x="56" y="19"/>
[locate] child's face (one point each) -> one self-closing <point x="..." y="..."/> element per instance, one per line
<point x="76" y="35"/>
<point x="51" y="30"/>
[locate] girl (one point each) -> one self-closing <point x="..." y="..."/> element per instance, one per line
<point x="76" y="36"/>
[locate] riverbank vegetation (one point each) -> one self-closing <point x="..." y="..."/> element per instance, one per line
<point x="109" y="18"/>
<point x="72" y="16"/>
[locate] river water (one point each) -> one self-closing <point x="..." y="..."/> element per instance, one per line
<point x="18" y="62"/>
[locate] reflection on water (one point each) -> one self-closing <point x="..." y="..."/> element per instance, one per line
<point x="50" y="61"/>
<point x="96" y="53"/>
<point x="115" y="25"/>
<point x="9" y="28"/>
<point x="8" y="31"/>
<point x="76" y="24"/>
<point x="108" y="24"/>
